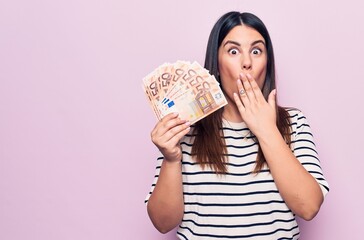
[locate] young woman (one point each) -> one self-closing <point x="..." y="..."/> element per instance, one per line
<point x="248" y="169"/>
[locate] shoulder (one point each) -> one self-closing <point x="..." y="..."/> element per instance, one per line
<point x="298" y="120"/>
<point x="295" y="115"/>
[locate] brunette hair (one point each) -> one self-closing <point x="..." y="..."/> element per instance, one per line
<point x="213" y="151"/>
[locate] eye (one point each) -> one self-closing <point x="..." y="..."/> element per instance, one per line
<point x="233" y="51"/>
<point x="256" y="51"/>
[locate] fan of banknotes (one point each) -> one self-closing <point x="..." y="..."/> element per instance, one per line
<point x="183" y="87"/>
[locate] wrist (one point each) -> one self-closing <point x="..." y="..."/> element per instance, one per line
<point x="269" y="135"/>
<point x="172" y="166"/>
<point x="172" y="162"/>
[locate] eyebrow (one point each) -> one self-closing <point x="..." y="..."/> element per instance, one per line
<point x="238" y="44"/>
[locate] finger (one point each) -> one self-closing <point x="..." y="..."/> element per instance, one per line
<point x="161" y="121"/>
<point x="179" y="135"/>
<point x="171" y="137"/>
<point x="239" y="104"/>
<point x="243" y="98"/>
<point x="241" y="90"/>
<point x="169" y="116"/>
<point x="255" y="88"/>
<point x="272" y="98"/>
<point x="172" y="132"/>
<point x="166" y="123"/>
<point x="247" y="86"/>
<point x="172" y="127"/>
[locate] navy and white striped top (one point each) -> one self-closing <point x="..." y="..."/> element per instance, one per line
<point x="240" y="204"/>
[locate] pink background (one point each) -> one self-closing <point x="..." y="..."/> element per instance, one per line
<point x="76" y="160"/>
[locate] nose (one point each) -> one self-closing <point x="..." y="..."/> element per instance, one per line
<point x="246" y="62"/>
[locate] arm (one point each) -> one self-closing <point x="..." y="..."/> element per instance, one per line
<point x="165" y="205"/>
<point x="299" y="189"/>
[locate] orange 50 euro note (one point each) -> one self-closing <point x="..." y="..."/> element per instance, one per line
<point x="183" y="87"/>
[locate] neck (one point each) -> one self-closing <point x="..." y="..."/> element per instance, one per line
<point x="231" y="112"/>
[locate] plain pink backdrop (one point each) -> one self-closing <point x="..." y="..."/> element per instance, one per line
<point x="76" y="160"/>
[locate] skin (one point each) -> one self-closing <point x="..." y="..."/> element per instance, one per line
<point x="241" y="52"/>
<point x="165" y="205"/>
<point x="298" y="188"/>
<point x="242" y="65"/>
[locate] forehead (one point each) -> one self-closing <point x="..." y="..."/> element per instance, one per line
<point x="243" y="34"/>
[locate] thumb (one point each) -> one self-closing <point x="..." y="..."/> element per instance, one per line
<point x="272" y="98"/>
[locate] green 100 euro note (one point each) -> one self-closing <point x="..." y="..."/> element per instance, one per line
<point x="183" y="87"/>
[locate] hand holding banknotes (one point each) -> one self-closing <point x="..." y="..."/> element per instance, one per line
<point x="180" y="94"/>
<point x="166" y="136"/>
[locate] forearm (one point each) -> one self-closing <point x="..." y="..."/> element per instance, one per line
<point x="165" y="205"/>
<point x="298" y="188"/>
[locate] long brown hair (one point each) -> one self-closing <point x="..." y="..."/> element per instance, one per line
<point x="213" y="152"/>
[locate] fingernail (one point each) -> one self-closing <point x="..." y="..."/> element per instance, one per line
<point x="188" y="123"/>
<point x="249" y="76"/>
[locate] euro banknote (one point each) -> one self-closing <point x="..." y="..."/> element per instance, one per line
<point x="183" y="87"/>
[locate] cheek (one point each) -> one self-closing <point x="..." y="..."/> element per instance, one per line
<point x="229" y="69"/>
<point x="261" y="73"/>
<point x="261" y="78"/>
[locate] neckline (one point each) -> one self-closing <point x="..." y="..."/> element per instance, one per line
<point x="235" y="125"/>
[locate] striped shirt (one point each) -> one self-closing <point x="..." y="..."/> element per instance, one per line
<point x="241" y="204"/>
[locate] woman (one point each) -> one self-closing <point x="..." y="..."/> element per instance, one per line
<point x="246" y="170"/>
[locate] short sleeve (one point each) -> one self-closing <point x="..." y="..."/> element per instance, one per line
<point x="304" y="148"/>
<point x="157" y="171"/>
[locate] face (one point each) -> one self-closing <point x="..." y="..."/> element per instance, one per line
<point x="242" y="50"/>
